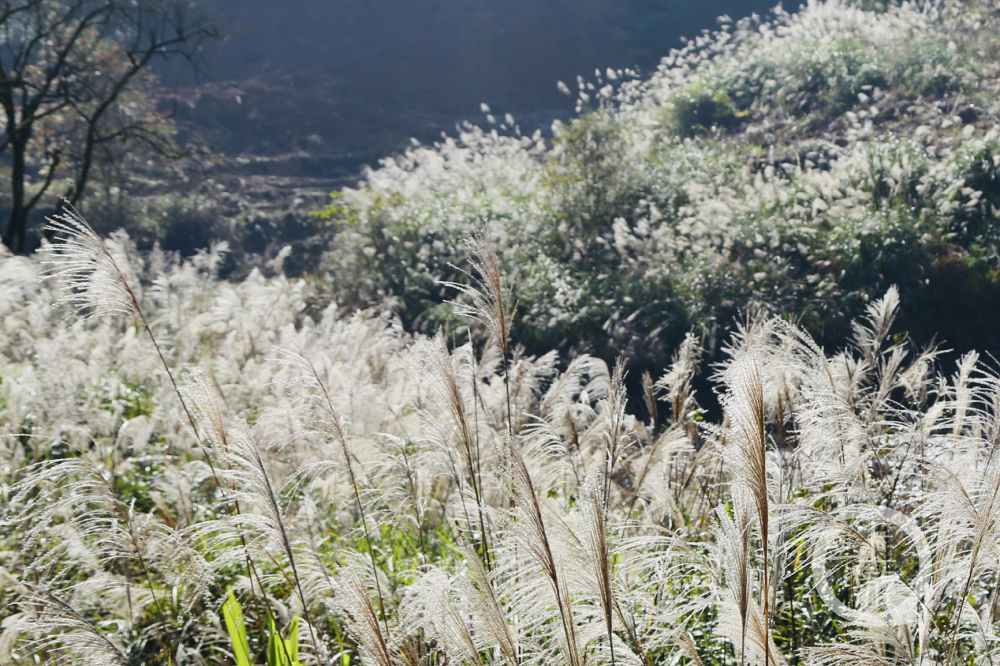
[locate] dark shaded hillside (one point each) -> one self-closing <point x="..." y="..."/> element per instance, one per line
<point x="339" y="84"/>
<point x="306" y="92"/>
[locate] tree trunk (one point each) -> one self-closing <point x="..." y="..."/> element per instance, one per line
<point x="17" y="221"/>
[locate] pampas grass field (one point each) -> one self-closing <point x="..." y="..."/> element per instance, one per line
<point x="172" y="441"/>
<point x="201" y="471"/>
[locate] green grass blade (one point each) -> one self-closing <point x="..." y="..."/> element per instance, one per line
<point x="236" y="626"/>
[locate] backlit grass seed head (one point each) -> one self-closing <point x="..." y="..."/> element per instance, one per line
<point x="98" y="272"/>
<point x="490" y="298"/>
<point x="356" y="604"/>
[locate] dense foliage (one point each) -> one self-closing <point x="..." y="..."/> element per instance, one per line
<point x="804" y="163"/>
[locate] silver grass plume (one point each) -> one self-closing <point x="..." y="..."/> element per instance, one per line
<point x="734" y="533"/>
<point x="434" y="609"/>
<point x="969" y="503"/>
<point x="595" y="541"/>
<point x="598" y="556"/>
<point x="687" y="643"/>
<point x="314" y="391"/>
<point x="744" y="407"/>
<point x="649" y="395"/>
<point x="209" y="417"/>
<point x="362" y="621"/>
<point x="407" y="465"/>
<point x="486" y="607"/>
<point x="668" y="446"/>
<point x="491" y="300"/>
<point x="98" y="279"/>
<point x="447" y="388"/>
<point x="616" y="436"/>
<point x="55" y="492"/>
<point x="735" y="553"/>
<point x="879" y="315"/>
<point x="676" y="383"/>
<point x="528" y="529"/>
<point x="864" y="648"/>
<point x="64" y="635"/>
<point x="462" y="436"/>
<point x="248" y="476"/>
<point x="747" y="453"/>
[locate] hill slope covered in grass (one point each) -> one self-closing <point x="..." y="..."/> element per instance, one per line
<point x="804" y="162"/>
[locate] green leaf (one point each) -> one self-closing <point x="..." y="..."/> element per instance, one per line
<point x="275" y="653"/>
<point x="283" y="652"/>
<point x="237" y="629"/>
<point x="292" y="642"/>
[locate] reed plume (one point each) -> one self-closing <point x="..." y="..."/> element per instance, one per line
<point x="746" y="450"/>
<point x="528" y="529"/>
<point x="490" y="301"/>
<point x="362" y="620"/>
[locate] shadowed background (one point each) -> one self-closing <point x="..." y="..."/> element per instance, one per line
<point x="347" y="81"/>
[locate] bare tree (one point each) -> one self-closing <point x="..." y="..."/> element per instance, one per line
<point x="70" y="75"/>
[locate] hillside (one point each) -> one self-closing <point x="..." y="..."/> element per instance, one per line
<point x="802" y="163"/>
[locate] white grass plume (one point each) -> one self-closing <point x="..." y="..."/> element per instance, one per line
<point x="489" y="613"/>
<point x="362" y="621"/>
<point x="99" y="276"/>
<point x="67" y="638"/>
<point x="676" y="382"/>
<point x="491" y="302"/>
<point x="616" y="436"/>
<point x="433" y="606"/>
<point x="528" y="529"/>
<point x="746" y="453"/>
